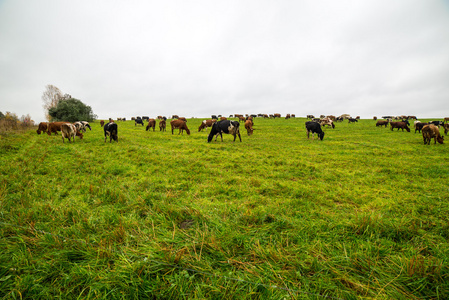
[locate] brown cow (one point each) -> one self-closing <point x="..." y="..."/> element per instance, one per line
<point x="54" y="127"/>
<point x="287" y="116"/>
<point x="399" y="125"/>
<point x="101" y="123"/>
<point x="419" y="125"/>
<point x="206" y="123"/>
<point x="446" y="128"/>
<point x="151" y="124"/>
<point x="162" y="125"/>
<point x="382" y="123"/>
<point x="431" y="131"/>
<point x="249" y="127"/>
<point x="223" y="118"/>
<point x="241" y="119"/>
<point x="276" y="115"/>
<point x="42" y="127"/>
<point x="179" y="124"/>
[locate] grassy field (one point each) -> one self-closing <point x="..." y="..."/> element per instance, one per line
<point x="362" y="214"/>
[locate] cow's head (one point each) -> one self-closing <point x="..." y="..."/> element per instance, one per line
<point x="321" y="135"/>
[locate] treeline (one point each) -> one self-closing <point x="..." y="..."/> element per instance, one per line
<point x="11" y="122"/>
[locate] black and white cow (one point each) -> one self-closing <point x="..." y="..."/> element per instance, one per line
<point x="314" y="127"/>
<point x="225" y="126"/>
<point x="85" y="124"/>
<point x="111" y="130"/>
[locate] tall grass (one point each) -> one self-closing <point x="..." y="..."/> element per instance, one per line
<point x="361" y="214"/>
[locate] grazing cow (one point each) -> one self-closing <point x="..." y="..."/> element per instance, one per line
<point x="182" y="119"/>
<point x="265" y="116"/>
<point x="179" y="124"/>
<point x="175" y="117"/>
<point x="242" y="119"/>
<point x="287" y="116"/>
<point x="54" y="127"/>
<point x="151" y="124"/>
<point x="446" y="128"/>
<point x="214" y="117"/>
<point x="431" y="131"/>
<point x="374" y="118"/>
<point x="249" y="127"/>
<point x="162" y="125"/>
<point x="326" y="121"/>
<point x="419" y="126"/>
<point x="145" y="118"/>
<point x="138" y="120"/>
<point x="205" y="124"/>
<point x="352" y="120"/>
<point x="225" y="126"/>
<point x="437" y="123"/>
<point x="223" y="118"/>
<point x="382" y="123"/>
<point x="399" y="125"/>
<point x="101" y="123"/>
<point x="81" y="125"/>
<point x="42" y="127"/>
<point x="314" y="127"/>
<point x="69" y="131"/>
<point x="310" y="116"/>
<point x="339" y="119"/>
<point x="111" y="130"/>
<point x="276" y="116"/>
<point x="446" y="120"/>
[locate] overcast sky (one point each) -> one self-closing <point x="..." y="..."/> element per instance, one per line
<point x="197" y="58"/>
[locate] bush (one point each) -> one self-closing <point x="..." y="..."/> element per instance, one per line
<point x="71" y="110"/>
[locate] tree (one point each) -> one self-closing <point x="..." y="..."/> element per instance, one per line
<point x="51" y="97"/>
<point x="71" y="110"/>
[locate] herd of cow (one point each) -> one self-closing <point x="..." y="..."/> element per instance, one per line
<point x="220" y="125"/>
<point x="429" y="130"/>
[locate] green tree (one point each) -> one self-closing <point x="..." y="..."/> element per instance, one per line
<point x="71" y="110"/>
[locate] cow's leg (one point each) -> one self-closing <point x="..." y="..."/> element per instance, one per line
<point x="239" y="136"/>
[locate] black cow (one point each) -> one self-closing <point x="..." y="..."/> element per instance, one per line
<point x="314" y="127"/>
<point x="138" y="120"/>
<point x="437" y="123"/>
<point x="352" y="120"/>
<point x="225" y="126"/>
<point x="111" y="130"/>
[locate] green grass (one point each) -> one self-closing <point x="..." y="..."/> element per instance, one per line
<point x="362" y="214"/>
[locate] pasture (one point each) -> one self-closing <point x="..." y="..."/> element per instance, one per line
<point x="362" y="214"/>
